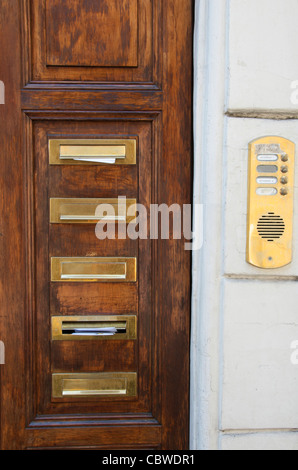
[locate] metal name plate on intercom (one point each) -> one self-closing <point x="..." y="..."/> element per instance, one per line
<point x="270" y="202"/>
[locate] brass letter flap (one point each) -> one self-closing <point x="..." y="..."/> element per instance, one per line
<point x="85" y="211"/>
<point x="122" y="384"/>
<point x="92" y="151"/>
<point x="94" y="269"/>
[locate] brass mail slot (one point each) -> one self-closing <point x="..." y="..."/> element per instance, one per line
<point x="94" y="269"/>
<point x="90" y="211"/>
<point x="93" y="151"/>
<point x="121" y="384"/>
<point x="80" y="328"/>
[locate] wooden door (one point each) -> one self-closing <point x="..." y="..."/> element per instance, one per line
<point x="112" y="77"/>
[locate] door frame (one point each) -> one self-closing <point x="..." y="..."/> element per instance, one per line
<point x="210" y="100"/>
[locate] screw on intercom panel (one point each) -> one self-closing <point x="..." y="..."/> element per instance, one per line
<point x="284" y="180"/>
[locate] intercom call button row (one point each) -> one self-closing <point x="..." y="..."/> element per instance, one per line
<point x="272" y="158"/>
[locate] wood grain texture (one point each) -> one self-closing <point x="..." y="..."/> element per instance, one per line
<point x="63" y="49"/>
<point x="89" y="100"/>
<point x="129" y="436"/>
<point x="78" y="356"/>
<point x="66" y="300"/>
<point x="52" y="240"/>
<point x="87" y="33"/>
<point x="12" y="235"/>
<point x="175" y="186"/>
<point x="153" y="103"/>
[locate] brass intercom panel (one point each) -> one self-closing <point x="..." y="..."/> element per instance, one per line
<point x="270" y="202"/>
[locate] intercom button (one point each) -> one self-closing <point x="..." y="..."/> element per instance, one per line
<point x="267" y="169"/>
<point x="266" y="191"/>
<point x="267" y="180"/>
<point x="268" y="158"/>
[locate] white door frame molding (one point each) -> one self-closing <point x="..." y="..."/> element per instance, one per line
<point x="210" y="97"/>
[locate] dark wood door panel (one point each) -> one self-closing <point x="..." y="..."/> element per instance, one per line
<point x="120" y="181"/>
<point x="92" y="34"/>
<point x="38" y="97"/>
<point x="133" y="436"/>
<point x="81" y="40"/>
<point x="94" y="356"/>
<point x="80" y="240"/>
<point x="76" y="81"/>
<point x="65" y="300"/>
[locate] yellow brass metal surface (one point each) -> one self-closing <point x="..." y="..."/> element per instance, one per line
<point x="120" y="384"/>
<point x="270" y="217"/>
<point x="99" y="328"/>
<point x="85" y="211"/>
<point x="94" y="269"/>
<point x="92" y="151"/>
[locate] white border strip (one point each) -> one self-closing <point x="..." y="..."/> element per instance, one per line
<point x="209" y="106"/>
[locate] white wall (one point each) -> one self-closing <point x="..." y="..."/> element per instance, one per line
<point x="244" y="386"/>
<point x="262" y="49"/>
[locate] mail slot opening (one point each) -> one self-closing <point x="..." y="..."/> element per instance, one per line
<point x="91" y="153"/>
<point x="94" y="328"/>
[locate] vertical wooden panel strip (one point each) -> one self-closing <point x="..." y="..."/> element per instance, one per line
<point x="175" y="188"/>
<point x="11" y="225"/>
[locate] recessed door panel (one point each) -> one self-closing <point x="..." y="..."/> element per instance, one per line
<point x="90" y="278"/>
<point x="101" y="41"/>
<point x="70" y="26"/>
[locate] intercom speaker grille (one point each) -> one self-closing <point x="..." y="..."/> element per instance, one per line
<point x="271" y="227"/>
